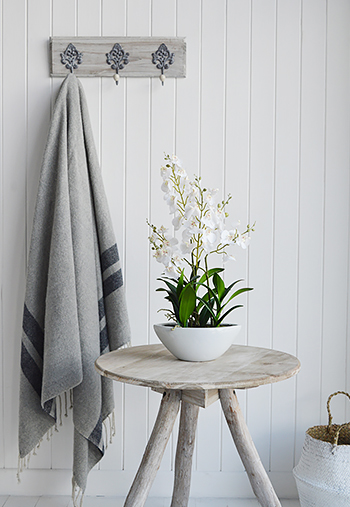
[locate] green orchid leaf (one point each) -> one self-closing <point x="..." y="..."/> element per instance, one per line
<point x="228" y="311"/>
<point x="208" y="307"/>
<point x="229" y="288"/>
<point x="209" y="274"/>
<point x="204" y="317"/>
<point x="212" y="293"/>
<point x="175" y="280"/>
<point x="237" y="293"/>
<point x="187" y="304"/>
<point x="180" y="284"/>
<point x="219" y="285"/>
<point x="200" y="305"/>
<point x="170" y="285"/>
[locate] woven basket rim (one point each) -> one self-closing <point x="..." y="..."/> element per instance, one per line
<point x="324" y="428"/>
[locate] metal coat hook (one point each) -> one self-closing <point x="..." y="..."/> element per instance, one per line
<point x="71" y="57"/>
<point x="162" y="58"/>
<point x="117" y="59"/>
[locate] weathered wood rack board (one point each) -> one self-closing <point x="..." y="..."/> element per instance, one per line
<point x="140" y="51"/>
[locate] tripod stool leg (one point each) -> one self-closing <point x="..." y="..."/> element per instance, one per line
<point x="258" y="477"/>
<point x="155" y="448"/>
<point x="184" y="453"/>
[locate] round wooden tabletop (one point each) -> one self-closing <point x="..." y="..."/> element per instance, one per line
<point x="241" y="367"/>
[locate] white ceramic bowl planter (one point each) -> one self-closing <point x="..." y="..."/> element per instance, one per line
<point x="197" y="343"/>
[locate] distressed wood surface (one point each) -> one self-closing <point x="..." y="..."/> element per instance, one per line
<point x="241" y="367"/>
<point x="258" y="477"/>
<point x="184" y="453"/>
<point x="154" y="451"/>
<point x="140" y="51"/>
<point x="203" y="398"/>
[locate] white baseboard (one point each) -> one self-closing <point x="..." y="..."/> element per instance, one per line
<point x="117" y="483"/>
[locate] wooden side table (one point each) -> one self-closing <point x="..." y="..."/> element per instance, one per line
<point x="195" y="385"/>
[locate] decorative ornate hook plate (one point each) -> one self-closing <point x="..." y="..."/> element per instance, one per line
<point x="117" y="59"/>
<point x="71" y="57"/>
<point x="164" y="59"/>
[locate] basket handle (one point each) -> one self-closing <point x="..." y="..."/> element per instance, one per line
<point x="336" y="436"/>
<point x="330" y="418"/>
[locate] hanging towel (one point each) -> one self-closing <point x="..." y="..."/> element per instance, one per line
<point x="74" y="305"/>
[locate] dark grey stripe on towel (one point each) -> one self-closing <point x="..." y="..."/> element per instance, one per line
<point x="112" y="283"/>
<point x="31" y="370"/>
<point x="101" y="309"/>
<point x="33" y="331"/>
<point x="96" y="434"/>
<point x="109" y="257"/>
<point x="104" y="343"/>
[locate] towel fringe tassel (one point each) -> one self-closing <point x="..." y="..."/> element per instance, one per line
<point x="110" y="429"/>
<point x="106" y="432"/>
<point x="65" y="404"/>
<point x="23" y="463"/>
<point x="126" y="345"/>
<point x="77" y="494"/>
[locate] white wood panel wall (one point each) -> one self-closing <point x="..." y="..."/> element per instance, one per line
<point x="264" y="114"/>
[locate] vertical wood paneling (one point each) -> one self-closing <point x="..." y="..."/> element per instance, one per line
<point x="310" y="278"/>
<point x="113" y="121"/>
<point x="62" y="442"/>
<point x="2" y="270"/>
<point x="38" y="92"/>
<point x="136" y="243"/>
<point x="237" y="163"/>
<point x="262" y="207"/>
<point x="162" y="131"/>
<point x="62" y="25"/>
<point x="286" y="222"/>
<point x="188" y="100"/>
<point x="89" y="23"/>
<point x="14" y="206"/>
<point x="263" y="114"/>
<point x="336" y="203"/>
<point x="188" y="89"/>
<point x="212" y="171"/>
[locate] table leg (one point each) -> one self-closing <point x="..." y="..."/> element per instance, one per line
<point x="258" y="477"/>
<point x="184" y="453"/>
<point x="155" y="448"/>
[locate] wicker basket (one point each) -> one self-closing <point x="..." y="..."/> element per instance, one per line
<point x="323" y="472"/>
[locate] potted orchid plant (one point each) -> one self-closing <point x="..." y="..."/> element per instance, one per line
<point x="197" y="293"/>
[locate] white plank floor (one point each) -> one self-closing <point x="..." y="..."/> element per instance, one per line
<point x="64" y="501"/>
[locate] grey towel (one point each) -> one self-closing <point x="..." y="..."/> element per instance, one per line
<point x="74" y="306"/>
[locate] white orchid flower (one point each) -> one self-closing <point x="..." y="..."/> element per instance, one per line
<point x="170" y="242"/>
<point x="186" y="247"/>
<point x="243" y="241"/>
<point x="192" y="226"/>
<point x="177" y="222"/>
<point x="166" y="186"/>
<point x="192" y="209"/>
<point x="166" y="254"/>
<point x="220" y="218"/>
<point x="165" y="172"/>
<point x="178" y="261"/>
<point x="210" y="194"/>
<point x="163" y="229"/>
<point x="170" y="270"/>
<point x="171" y="202"/>
<point x="228" y="236"/>
<point x="227" y="257"/>
<point x="209" y="219"/>
<point x="209" y="238"/>
<point x="174" y="159"/>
